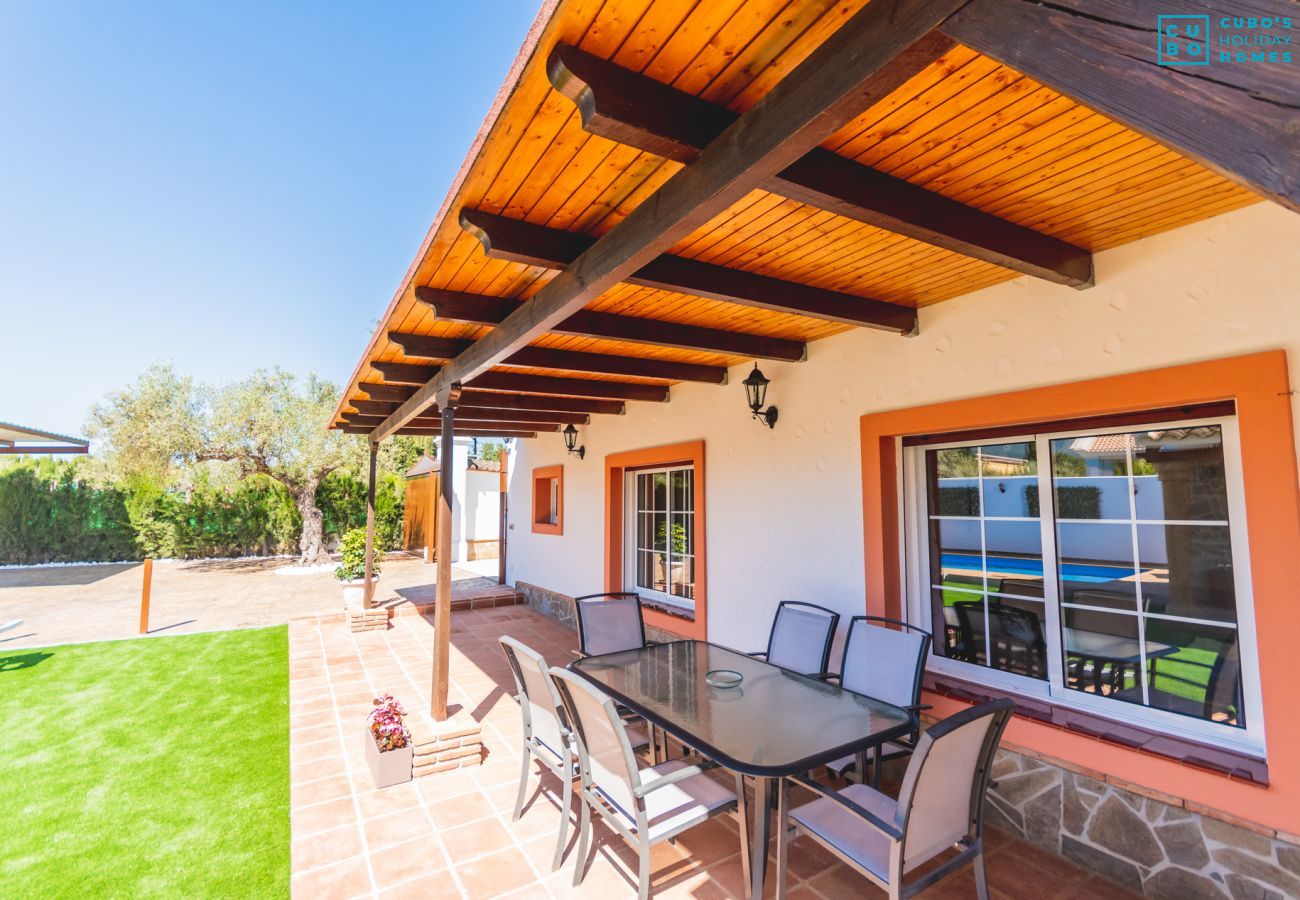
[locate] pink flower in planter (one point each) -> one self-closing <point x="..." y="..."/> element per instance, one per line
<point x="386" y="726"/>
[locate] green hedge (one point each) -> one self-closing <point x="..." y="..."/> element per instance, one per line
<point x="48" y="513"/>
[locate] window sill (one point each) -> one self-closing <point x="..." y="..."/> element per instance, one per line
<point x="677" y="612"/>
<point x="1232" y="763"/>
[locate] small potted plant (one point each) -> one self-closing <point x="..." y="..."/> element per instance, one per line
<point x="351" y="569"/>
<point x="388" y="743"/>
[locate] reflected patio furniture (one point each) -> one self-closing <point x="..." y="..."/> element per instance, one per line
<point x="883" y="658"/>
<point x="1098" y="656"/>
<point x="801" y="636"/>
<point x="776" y="723"/>
<point x="547" y="737"/>
<point x="643" y="805"/>
<point x="1221" y="692"/>
<point x="940" y="806"/>
<point x="1015" y="637"/>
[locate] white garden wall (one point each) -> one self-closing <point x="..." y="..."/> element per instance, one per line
<point x="784" y="515"/>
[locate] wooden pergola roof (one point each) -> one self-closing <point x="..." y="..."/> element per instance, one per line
<point x="667" y="188"/>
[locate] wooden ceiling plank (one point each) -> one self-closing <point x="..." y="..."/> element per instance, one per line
<point x="627" y="107"/>
<point x="868" y="56"/>
<point x="538" y="402"/>
<point x="1100" y="52"/>
<point x="538" y="245"/>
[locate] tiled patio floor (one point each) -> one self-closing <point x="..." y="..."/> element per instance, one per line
<point x="451" y="835"/>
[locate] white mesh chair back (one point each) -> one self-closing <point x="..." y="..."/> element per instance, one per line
<point x="604" y="752"/>
<point x="608" y="624"/>
<point x="885" y="663"/>
<point x="538" y="697"/>
<point x="801" y="637"/>
<point x="942" y="797"/>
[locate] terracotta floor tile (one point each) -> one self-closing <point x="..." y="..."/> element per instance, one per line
<point x="342" y="880"/>
<point x="475" y="839"/>
<point x="325" y="848"/>
<point x="430" y="887"/>
<point x="308" y="793"/>
<point x="374" y="803"/>
<point x="406" y="861"/>
<point x="315" y="769"/>
<point x="323" y="816"/>
<point x="461" y="809"/>
<point x="384" y="831"/>
<point x="495" y="874"/>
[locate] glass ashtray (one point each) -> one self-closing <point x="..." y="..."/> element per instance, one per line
<point x="723" y="678"/>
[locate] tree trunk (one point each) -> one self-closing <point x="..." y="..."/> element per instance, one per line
<point x="312" y="542"/>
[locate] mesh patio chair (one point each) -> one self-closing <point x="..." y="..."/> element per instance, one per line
<point x="883" y="658"/>
<point x="801" y="637"/>
<point x="644" y="806"/>
<point x="608" y="623"/>
<point x="547" y="737"/>
<point x="940" y="806"/>
<point x="1221" y="700"/>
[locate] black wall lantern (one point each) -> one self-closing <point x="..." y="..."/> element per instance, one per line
<point x="756" y="393"/>
<point x="571" y="442"/>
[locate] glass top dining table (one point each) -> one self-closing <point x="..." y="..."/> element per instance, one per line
<point x="775" y="722"/>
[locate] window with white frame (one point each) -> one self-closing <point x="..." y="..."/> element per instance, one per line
<point x="660" y="534"/>
<point x="1104" y="568"/>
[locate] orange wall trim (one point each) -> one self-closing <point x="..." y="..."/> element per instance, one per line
<point x="616" y="466"/>
<point x="542" y="477"/>
<point x="1260" y="385"/>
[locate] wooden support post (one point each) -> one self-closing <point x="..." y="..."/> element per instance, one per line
<point x="144" y="596"/>
<point x="442" y="607"/>
<point x="368" y="591"/>
<point x="505" y="516"/>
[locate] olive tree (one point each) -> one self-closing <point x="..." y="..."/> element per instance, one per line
<point x="270" y="423"/>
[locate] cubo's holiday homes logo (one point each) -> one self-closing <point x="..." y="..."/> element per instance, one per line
<point x="1186" y="40"/>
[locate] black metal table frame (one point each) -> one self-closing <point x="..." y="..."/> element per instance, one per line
<point x="765" y="777"/>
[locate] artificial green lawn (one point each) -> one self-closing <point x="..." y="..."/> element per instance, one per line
<point x="148" y="767"/>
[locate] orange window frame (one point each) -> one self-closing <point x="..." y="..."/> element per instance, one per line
<point x="542" y="478"/>
<point x="1259" y="384"/>
<point x="616" y="467"/>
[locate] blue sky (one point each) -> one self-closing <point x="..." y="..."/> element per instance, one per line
<point x="226" y="185"/>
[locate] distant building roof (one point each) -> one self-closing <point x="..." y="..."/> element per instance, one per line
<point x="423" y="466"/>
<point x="485" y="465"/>
<point x="20" y="439"/>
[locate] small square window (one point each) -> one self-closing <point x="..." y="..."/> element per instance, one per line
<point x="548" y="500"/>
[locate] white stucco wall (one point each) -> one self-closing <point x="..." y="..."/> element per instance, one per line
<point x="482" y="505"/>
<point x="784" y="514"/>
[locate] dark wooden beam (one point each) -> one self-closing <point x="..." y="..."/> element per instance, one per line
<point x="428" y="347"/>
<point x="434" y="432"/>
<point x="573" y="387"/>
<point x="521" y="423"/>
<point x="635" y="109"/>
<point x="454" y="306"/>
<point x="395" y="392"/>
<point x="1241" y="119"/>
<point x="373" y="407"/>
<point x="872" y="53"/>
<point x="497" y="400"/>
<point x="520" y="241"/>
<point x="405" y="373"/>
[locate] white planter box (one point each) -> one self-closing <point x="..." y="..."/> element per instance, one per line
<point x="354" y="591"/>
<point x="390" y="767"/>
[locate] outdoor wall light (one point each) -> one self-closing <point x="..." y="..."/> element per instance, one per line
<point x="571" y="442"/>
<point x="756" y="392"/>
